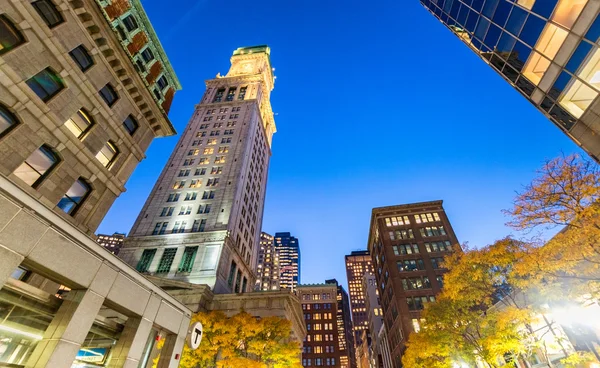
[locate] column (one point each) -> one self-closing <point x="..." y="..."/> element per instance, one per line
<point x="130" y="347"/>
<point x="67" y="331"/>
<point x="173" y="345"/>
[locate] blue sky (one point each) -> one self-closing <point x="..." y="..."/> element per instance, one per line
<point x="376" y="104"/>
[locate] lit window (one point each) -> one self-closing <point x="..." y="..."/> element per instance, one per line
<point x="7" y="120"/>
<point x="10" y="37"/>
<point x="79" y="123"/>
<point x="46" y="84"/>
<point x="107" y="154"/>
<point x="37" y="166"/>
<point x="47" y="10"/>
<point x="71" y="201"/>
<point x="82" y="58"/>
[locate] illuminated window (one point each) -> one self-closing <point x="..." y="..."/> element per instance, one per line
<point x="107" y="154"/>
<point x="79" y="123"/>
<point x="37" y="166"/>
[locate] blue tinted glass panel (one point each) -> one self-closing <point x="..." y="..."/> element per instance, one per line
<point x="519" y="56"/>
<point x="455" y="8"/>
<point x="482" y="28"/>
<point x="544" y="7"/>
<point x="471" y="21"/>
<point x="462" y="15"/>
<point x="516" y="20"/>
<point x="532" y="29"/>
<point x="477" y="5"/>
<point x="489" y="8"/>
<point x="448" y="5"/>
<point x="506" y="44"/>
<point x="594" y="32"/>
<point x="578" y="56"/>
<point x="559" y="85"/>
<point x="502" y="13"/>
<point x="492" y="36"/>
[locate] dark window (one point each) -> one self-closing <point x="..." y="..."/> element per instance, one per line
<point x="516" y="20"/>
<point x="532" y="30"/>
<point x="130" y="23"/>
<point x="166" y="260"/>
<point x="230" y="94"/>
<point x="578" y="56"/>
<point x="140" y="65"/>
<point x="7" y="120"/>
<point x="47" y="10"/>
<point x="46" y="84"/>
<point x="544" y="8"/>
<point x="147" y="54"/>
<point x="219" y="95"/>
<point x="10" y="37"/>
<point x="162" y="83"/>
<point x="231" y="274"/>
<point x="592" y="34"/>
<point x="37" y="166"/>
<point x="157" y="94"/>
<point x="187" y="261"/>
<point x="502" y="13"/>
<point x="109" y="95"/>
<point x="242" y="93"/>
<point x="146" y="258"/>
<point x="121" y="32"/>
<point x="75" y="196"/>
<point x="82" y="58"/>
<point x="130" y="125"/>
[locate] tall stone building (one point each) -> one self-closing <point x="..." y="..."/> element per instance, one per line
<point x="407" y="244"/>
<point x="358" y="264"/>
<point x="84" y="88"/>
<point x="374" y="318"/>
<point x="201" y="223"/>
<point x="549" y="50"/>
<point x="288" y="248"/>
<point x="267" y="270"/>
<point x="344" y="326"/>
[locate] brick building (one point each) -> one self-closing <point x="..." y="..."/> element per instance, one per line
<point x="408" y="244"/>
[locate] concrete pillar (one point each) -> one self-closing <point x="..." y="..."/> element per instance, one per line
<point x="9" y="261"/>
<point x="67" y="331"/>
<point x="173" y="345"/>
<point x="130" y="347"/>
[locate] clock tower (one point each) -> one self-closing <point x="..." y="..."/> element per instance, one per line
<point x="201" y="223"/>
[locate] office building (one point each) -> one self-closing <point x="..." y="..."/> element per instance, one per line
<point x="201" y="223"/>
<point x="374" y="319"/>
<point x="547" y="49"/>
<point x="111" y="243"/>
<point x="407" y="244"/>
<point x="288" y="249"/>
<point x="358" y="264"/>
<point x="268" y="264"/>
<point x="320" y="307"/>
<point x="85" y="86"/>
<point x="344" y="327"/>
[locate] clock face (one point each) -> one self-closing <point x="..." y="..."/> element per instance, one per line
<point x="246" y="67"/>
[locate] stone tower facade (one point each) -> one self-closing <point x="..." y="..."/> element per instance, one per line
<point x="201" y="223"/>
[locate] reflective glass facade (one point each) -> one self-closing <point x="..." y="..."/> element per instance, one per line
<point x="547" y="49"/>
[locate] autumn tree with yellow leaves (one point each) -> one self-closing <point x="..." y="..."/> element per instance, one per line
<point x="242" y="341"/>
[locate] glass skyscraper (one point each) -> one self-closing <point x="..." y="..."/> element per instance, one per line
<point x="547" y="49"/>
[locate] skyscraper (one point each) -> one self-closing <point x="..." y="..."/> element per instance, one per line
<point x="408" y="244"/>
<point x="344" y="327"/>
<point x="288" y="249"/>
<point x="358" y="263"/>
<point x="547" y="49"/>
<point x="201" y="223"/>
<point x="111" y="243"/>
<point x="268" y="264"/>
<point x="85" y="86"/>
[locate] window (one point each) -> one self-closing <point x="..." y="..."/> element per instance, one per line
<point x="198" y="226"/>
<point x="46" y="84"/>
<point x="166" y="260"/>
<point x="242" y="93"/>
<point x="10" y="37"/>
<point x="416" y="283"/>
<point x="187" y="261"/>
<point x="79" y="123"/>
<point x="185" y="172"/>
<point x="200" y="172"/>
<point x="440" y="280"/>
<point x="219" y="95"/>
<point x="208" y="151"/>
<point x="405" y="249"/>
<point x="232" y="270"/>
<point x="75" y="196"/>
<point x="37" y="166"/>
<point x="418" y="302"/>
<point x="173" y="197"/>
<point x="427" y="217"/>
<point x="395" y="221"/>
<point x="47" y="10"/>
<point x="167" y="211"/>
<point x="225" y="140"/>
<point x="410" y="265"/>
<point x="147" y="55"/>
<point x="196" y="183"/>
<point x="146" y="259"/>
<point x="130" y="23"/>
<point x="230" y="94"/>
<point x="212" y="182"/>
<point x="7" y="119"/>
<point x="228" y="132"/>
<point x="432" y="231"/>
<point x="82" y="58"/>
<point x="109" y="95"/>
<point x="130" y="125"/>
<point x="439" y="246"/>
<point x="107" y="154"/>
<point x="401" y="234"/>
<point x="219" y="159"/>
<point x="190" y="196"/>
<point x="437" y="262"/>
<point x="162" y="83"/>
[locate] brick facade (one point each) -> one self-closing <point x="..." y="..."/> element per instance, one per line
<point x="155" y="70"/>
<point x="138" y="41"/>
<point x="117" y="8"/>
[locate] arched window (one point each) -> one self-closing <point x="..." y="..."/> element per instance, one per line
<point x="37" y="166"/>
<point x="79" y="123"/>
<point x="7" y="120"/>
<point x="10" y="37"/>
<point x="75" y="196"/>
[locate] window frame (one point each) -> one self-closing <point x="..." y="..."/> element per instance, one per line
<point x="113" y="91"/>
<point x="20" y="38"/>
<point x="5" y="111"/>
<point x="126" y="24"/>
<point x="88" y="117"/>
<point x="48" y="150"/>
<point x="78" y="205"/>
<point x="135" y="123"/>
<point x="86" y="55"/>
<point x="114" y="158"/>
<point x="52" y="74"/>
<point x="51" y="5"/>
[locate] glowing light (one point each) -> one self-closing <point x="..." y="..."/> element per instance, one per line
<point x="19" y="332"/>
<point x="586" y="316"/>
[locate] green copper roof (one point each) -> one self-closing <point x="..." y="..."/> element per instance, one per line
<point x="253" y="50"/>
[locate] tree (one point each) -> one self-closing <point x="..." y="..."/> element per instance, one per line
<point x="242" y="341"/>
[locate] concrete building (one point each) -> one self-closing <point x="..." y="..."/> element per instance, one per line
<point x="111" y="243"/>
<point x="374" y="318"/>
<point x="84" y="88"/>
<point x="408" y="244"/>
<point x="547" y="50"/>
<point x="320" y="307"/>
<point x="384" y="355"/>
<point x="268" y="264"/>
<point x="358" y="264"/>
<point x="344" y="327"/>
<point x="201" y="223"/>
<point x="288" y="249"/>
